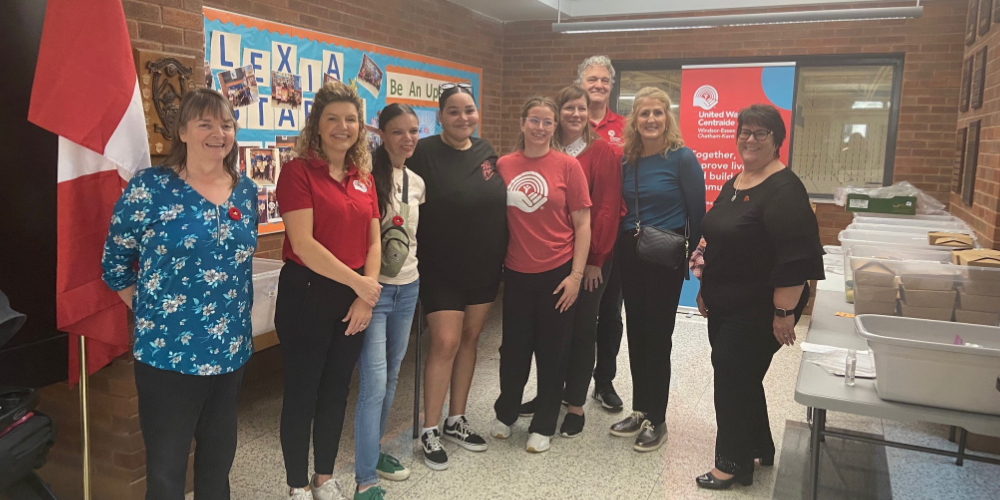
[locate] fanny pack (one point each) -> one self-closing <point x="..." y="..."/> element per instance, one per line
<point x="395" y="239"/>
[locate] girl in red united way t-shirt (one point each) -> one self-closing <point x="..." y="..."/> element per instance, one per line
<point x="548" y="218"/>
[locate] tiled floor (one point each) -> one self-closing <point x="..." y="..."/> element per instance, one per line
<point x="595" y="465"/>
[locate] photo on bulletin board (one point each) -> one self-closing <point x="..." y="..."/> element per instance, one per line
<point x="286" y="90"/>
<point x="239" y="85"/>
<point x="273" y="215"/>
<point x="370" y="76"/>
<point x="286" y="146"/>
<point x="262" y="205"/>
<point x="970" y="22"/>
<point x="971" y="159"/>
<point x="978" y="79"/>
<point x="374" y="138"/>
<point x="956" y="179"/>
<point x="966" y="91"/>
<point x="262" y="163"/>
<point x="985" y="6"/>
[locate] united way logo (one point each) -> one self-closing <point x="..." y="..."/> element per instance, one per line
<point x="706" y="97"/>
<point x="527" y="191"/>
<point x="360" y="186"/>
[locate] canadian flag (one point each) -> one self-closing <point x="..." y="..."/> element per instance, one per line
<point x="86" y="92"/>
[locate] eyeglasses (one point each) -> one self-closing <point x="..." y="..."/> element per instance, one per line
<point x="462" y="87"/>
<point x="538" y="122"/>
<point x="759" y="134"/>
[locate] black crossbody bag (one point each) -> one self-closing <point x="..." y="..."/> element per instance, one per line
<point x="660" y="246"/>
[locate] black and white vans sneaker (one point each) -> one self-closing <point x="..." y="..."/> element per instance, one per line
<point x="434" y="455"/>
<point x="462" y="434"/>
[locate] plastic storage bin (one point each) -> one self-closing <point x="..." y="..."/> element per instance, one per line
<point x="919" y="362"/>
<point x="265" y="294"/>
<point x="922" y="229"/>
<point x="923" y="289"/>
<point x="897" y="217"/>
<point x="885" y="241"/>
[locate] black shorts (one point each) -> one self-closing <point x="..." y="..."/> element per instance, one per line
<point x="439" y="294"/>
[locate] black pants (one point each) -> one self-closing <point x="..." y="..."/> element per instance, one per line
<point x="319" y="361"/>
<point x="175" y="408"/>
<point x="742" y="347"/>
<point x="532" y="325"/>
<point x="581" y="350"/>
<point x="651" y="295"/>
<point x="609" y="325"/>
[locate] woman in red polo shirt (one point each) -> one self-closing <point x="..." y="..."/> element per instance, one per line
<point x="329" y="283"/>
<point x="548" y="218"/>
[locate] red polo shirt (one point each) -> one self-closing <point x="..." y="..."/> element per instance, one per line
<point x="342" y="211"/>
<point x="612" y="129"/>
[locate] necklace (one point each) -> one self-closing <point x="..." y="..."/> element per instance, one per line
<point x="737" y="187"/>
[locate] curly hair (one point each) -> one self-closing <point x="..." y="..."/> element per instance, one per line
<point x="309" y="142"/>
<point x="672" y="140"/>
<point x="594" y="61"/>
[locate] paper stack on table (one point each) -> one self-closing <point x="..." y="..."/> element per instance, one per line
<point x="834" y="360"/>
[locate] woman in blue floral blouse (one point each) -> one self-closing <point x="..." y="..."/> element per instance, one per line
<point x="180" y="253"/>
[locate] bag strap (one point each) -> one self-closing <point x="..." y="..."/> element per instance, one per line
<point x="635" y="175"/>
<point x="406" y="184"/>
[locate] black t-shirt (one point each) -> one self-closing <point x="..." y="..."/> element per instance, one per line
<point x="463" y="223"/>
<point x="766" y="238"/>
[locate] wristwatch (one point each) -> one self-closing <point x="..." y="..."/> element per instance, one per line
<point x="781" y="313"/>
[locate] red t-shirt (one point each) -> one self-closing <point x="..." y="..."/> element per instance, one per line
<point x="603" y="169"/>
<point x="541" y="194"/>
<point x="342" y="211"/>
<point x="612" y="129"/>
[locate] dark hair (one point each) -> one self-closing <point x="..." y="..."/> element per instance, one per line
<point x="767" y="116"/>
<point x="195" y="104"/>
<point x="443" y="98"/>
<point x="572" y="93"/>
<point x="381" y="163"/>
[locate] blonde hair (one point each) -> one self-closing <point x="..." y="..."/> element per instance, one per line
<point x="309" y="141"/>
<point x="672" y="140"/>
<point x="572" y="93"/>
<point x="537" y="102"/>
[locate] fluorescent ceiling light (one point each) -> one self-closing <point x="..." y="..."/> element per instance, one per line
<point x="680" y="23"/>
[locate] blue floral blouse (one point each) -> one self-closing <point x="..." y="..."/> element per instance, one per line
<point x="192" y="262"/>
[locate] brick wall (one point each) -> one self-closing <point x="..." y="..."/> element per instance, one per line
<point x="537" y="61"/>
<point x="982" y="214"/>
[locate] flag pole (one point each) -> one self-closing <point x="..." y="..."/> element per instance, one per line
<point x="84" y="418"/>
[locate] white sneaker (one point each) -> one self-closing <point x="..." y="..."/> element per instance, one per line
<point x="329" y="491"/>
<point x="299" y="494"/>
<point x="537" y="443"/>
<point x="500" y="430"/>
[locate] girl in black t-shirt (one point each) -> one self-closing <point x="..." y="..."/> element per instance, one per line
<point x="463" y="239"/>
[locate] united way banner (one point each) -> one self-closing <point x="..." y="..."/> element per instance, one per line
<point x="271" y="73"/>
<point x="711" y="99"/>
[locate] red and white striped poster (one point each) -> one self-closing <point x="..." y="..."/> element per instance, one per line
<point x="86" y="92"/>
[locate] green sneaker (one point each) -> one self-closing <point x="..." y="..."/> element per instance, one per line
<point x="390" y="468"/>
<point x="373" y="493"/>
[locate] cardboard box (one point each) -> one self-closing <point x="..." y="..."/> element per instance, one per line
<point x="982" y="257"/>
<point x="904" y="205"/>
<point x="983" y="303"/>
<point x="982" y="287"/>
<point x="866" y="307"/>
<point x="935" y="313"/>
<point x="874" y="274"/>
<point x="928" y="281"/>
<point x="977" y="317"/>
<point x="929" y="298"/>
<point x="867" y="293"/>
<point x="946" y="239"/>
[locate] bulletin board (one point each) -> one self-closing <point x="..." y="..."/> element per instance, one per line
<point x="272" y="71"/>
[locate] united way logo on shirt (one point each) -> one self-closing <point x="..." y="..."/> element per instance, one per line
<point x="360" y="186"/>
<point x="528" y="191"/>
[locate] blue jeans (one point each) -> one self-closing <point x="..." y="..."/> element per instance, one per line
<point x="386" y="339"/>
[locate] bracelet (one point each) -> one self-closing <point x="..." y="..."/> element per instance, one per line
<point x="577" y="274"/>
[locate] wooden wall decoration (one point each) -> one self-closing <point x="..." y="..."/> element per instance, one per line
<point x="956" y="177"/>
<point x="978" y="79"/>
<point x="966" y="91"/>
<point x="163" y="79"/>
<point x="985" y="8"/>
<point x="971" y="159"/>
<point x="970" y="22"/>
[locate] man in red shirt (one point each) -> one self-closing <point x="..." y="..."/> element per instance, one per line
<point x="596" y="75"/>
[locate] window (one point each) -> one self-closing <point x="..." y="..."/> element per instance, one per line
<point x="844" y="119"/>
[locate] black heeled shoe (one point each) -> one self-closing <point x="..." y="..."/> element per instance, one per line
<point x="767" y="460"/>
<point x="710" y="482"/>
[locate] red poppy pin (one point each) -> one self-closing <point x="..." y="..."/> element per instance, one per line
<point x="234" y="213"/>
<point x="746" y="198"/>
<point x="397" y="220"/>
